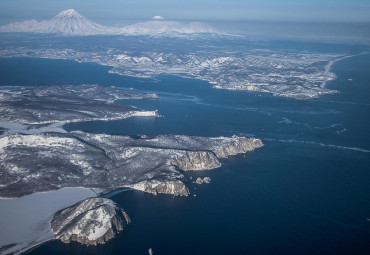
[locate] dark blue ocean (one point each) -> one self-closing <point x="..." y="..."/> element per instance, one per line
<point x="307" y="191"/>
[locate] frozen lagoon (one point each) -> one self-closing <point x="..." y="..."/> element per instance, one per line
<point x="25" y="221"/>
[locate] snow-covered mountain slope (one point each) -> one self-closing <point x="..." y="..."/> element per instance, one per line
<point x="91" y="222"/>
<point x="160" y="27"/>
<point x="68" y="22"/>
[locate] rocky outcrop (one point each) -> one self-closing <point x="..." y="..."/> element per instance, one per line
<point x="92" y="221"/>
<point x="238" y="146"/>
<point x="176" y="188"/>
<point x="204" y="180"/>
<point x="199" y="180"/>
<point x="197" y="160"/>
<point x="220" y="147"/>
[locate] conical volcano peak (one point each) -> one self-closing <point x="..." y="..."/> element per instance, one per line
<point x="68" y="13"/>
<point x="67" y="22"/>
<point x="70" y="22"/>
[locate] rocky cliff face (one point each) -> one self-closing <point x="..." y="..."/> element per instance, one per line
<point x="197" y="160"/>
<point x="204" y="180"/>
<point x="92" y="221"/>
<point x="176" y="188"/>
<point x="237" y="146"/>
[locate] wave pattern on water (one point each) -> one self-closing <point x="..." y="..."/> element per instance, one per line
<point x="320" y="144"/>
<point x="267" y="110"/>
<point x="343" y="102"/>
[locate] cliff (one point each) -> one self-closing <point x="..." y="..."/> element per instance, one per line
<point x="176" y="188"/>
<point x="92" y="221"/>
<point x="197" y="160"/>
<point x="238" y="146"/>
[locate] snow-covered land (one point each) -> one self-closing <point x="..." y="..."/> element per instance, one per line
<point x="71" y="23"/>
<point x="105" y="162"/>
<point x="193" y="50"/>
<point x="68" y="22"/>
<point x="92" y="221"/>
<point x="285" y="74"/>
<point x="25" y="221"/>
<point x="159" y="27"/>
<point x="100" y="162"/>
<point x="29" y="110"/>
<point x="47" y="174"/>
<point x="293" y="75"/>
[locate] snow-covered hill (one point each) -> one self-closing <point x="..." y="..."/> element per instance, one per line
<point x="70" y="22"/>
<point x="92" y="221"/>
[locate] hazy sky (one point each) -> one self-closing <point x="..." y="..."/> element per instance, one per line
<point x="279" y="10"/>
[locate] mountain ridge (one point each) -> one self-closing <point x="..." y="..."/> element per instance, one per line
<point x="71" y="23"/>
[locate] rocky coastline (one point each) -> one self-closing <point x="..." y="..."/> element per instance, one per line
<point x="90" y="222"/>
<point x="53" y="159"/>
<point x="109" y="162"/>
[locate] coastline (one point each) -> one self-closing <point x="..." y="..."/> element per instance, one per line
<point x="25" y="221"/>
<point x="332" y="62"/>
<point x="12" y="128"/>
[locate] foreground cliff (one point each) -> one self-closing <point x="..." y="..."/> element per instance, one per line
<point x="92" y="221"/>
<point x="105" y="163"/>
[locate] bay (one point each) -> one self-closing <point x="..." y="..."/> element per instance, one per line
<point x="305" y="192"/>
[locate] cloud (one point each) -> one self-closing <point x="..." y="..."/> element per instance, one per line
<point x="158" y="17"/>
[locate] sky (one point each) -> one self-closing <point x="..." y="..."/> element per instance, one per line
<point x="229" y="10"/>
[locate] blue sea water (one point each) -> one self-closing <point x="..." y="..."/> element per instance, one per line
<point x="307" y="191"/>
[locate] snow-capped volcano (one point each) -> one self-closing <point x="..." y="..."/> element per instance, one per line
<point x="68" y="22"/>
<point x="160" y="27"/>
<point x="158" y="17"/>
<point x="70" y="13"/>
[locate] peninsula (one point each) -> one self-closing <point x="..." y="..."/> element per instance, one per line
<point x="38" y="157"/>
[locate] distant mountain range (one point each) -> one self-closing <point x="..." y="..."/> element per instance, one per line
<point x="71" y="23"/>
